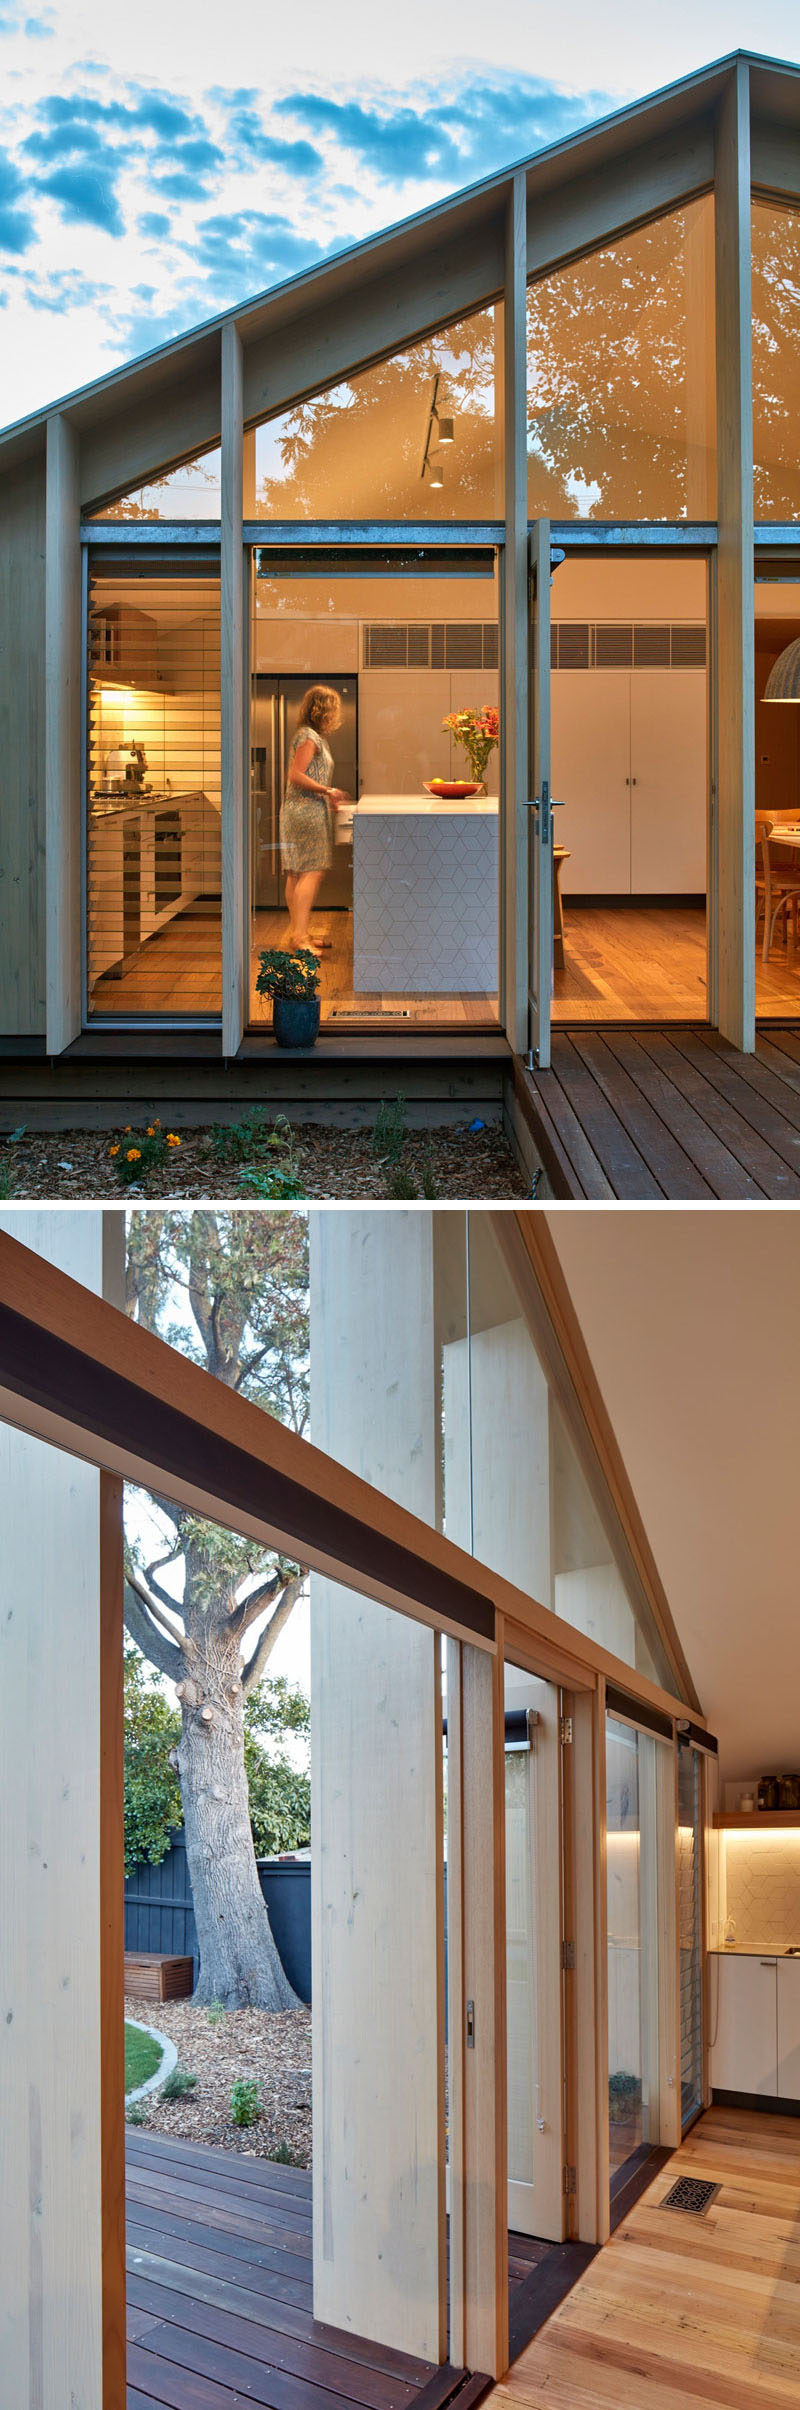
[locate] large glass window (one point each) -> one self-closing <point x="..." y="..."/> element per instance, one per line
<point x="689" y="1931"/>
<point x="776" y="360"/>
<point x="621" y="377"/>
<point x="397" y="882"/>
<point x="153" y="884"/>
<point x="416" y="437"/>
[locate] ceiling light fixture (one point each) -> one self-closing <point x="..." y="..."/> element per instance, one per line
<point x="445" y="434"/>
<point x="783" y="683"/>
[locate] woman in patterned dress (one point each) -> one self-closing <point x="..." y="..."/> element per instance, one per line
<point x="305" y="823"/>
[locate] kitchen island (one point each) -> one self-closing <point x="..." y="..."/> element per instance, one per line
<point x="425" y="895"/>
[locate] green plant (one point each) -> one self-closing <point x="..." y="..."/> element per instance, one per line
<point x="216" y="2012"/>
<point x="152" y="1730"/>
<point x="140" y="1151"/>
<point x="6" y="1181"/>
<point x="136" y="2114"/>
<point x="390" y="1128"/>
<point x="237" y="1141"/>
<point x="287" y="974"/>
<point x="269" y="1181"/>
<point x="245" y="2105"/>
<point x="429" y="1182"/>
<point x="178" y="2084"/>
<point x="285" y="2156"/>
<point x="401" y="1183"/>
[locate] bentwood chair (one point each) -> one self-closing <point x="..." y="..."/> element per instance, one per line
<point x="777" y="883"/>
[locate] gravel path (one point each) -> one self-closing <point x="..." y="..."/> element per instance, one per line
<point x="331" y="1163"/>
<point x="273" y="2051"/>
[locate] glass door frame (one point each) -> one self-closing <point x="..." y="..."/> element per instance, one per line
<point x="615" y="540"/>
<point x="776" y="551"/>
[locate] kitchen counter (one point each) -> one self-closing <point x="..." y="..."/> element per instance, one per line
<point x="107" y="806"/>
<point x="720" y="1950"/>
<point x="425" y="895"/>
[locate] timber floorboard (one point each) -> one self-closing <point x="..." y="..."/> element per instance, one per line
<point x="671" y="1113"/>
<point x="676" y="2310"/>
<point x="219" y="2299"/>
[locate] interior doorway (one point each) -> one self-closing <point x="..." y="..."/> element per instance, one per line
<point x="630" y="774"/>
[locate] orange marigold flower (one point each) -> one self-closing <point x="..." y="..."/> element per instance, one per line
<point x="172" y="1139"/>
<point x="134" y="1154"/>
<point x="114" y="1150"/>
<point x="151" y="1129"/>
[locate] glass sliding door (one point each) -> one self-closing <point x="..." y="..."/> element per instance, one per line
<point x="636" y="1924"/>
<point x="690" y="1833"/>
<point x="396" y="882"/>
<point x="535" y="2068"/>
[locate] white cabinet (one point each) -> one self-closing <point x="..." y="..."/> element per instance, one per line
<point x="744" y="2056"/>
<point x="669" y="781"/>
<point x="590" y="742"/>
<point x="629" y="766"/>
<point x="401" y="741"/>
<point x="789" y="2028"/>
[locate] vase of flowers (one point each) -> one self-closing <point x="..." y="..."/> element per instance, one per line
<point x="292" y="980"/>
<point x="478" y="732"/>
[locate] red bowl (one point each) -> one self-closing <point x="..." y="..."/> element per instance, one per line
<point x="454" y="790"/>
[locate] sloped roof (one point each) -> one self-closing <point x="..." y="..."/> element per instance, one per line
<point x="469" y="223"/>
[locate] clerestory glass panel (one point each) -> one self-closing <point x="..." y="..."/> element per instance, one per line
<point x="190" y="491"/>
<point x="621" y="377"/>
<point x="776" y="360"/>
<point x="416" y="436"/>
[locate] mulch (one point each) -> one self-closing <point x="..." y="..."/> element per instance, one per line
<point x="273" y="2051"/>
<point x="446" y="1162"/>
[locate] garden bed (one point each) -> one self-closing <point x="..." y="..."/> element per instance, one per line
<point x="321" y="1161"/>
<point x="246" y="2045"/>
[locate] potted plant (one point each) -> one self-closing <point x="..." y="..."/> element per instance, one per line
<point x="292" y="980"/>
<point x="478" y="732"/>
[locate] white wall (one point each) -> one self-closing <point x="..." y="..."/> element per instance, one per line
<point x="50" y="2073"/>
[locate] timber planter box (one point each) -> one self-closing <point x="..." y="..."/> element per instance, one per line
<point x="153" y="1975"/>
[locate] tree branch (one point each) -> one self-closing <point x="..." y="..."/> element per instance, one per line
<point x="248" y="1609"/>
<point x="153" y="1643"/>
<point x="253" y="1670"/>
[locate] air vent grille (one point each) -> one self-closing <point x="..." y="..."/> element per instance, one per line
<point x="446" y="644"/>
<point x="613" y="644"/>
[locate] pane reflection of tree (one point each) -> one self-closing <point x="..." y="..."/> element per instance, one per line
<point x="776" y="361"/>
<point x="355" y="452"/>
<point x="621" y="377"/>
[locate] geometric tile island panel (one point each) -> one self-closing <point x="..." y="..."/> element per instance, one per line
<point x="425" y="903"/>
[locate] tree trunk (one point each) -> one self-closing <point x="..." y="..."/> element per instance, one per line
<point x="239" y="1962"/>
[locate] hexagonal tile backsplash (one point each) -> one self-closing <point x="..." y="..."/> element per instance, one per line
<point x="763" y="1889"/>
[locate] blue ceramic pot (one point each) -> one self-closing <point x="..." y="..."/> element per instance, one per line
<point x="295" y="1020"/>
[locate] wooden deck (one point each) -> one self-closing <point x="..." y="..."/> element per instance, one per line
<point x="669" y="1112"/>
<point x="219" y="2296"/>
<point x="681" y="2311"/>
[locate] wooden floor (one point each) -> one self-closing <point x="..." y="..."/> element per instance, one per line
<point x="625" y="963"/>
<point x="180" y="971"/>
<point x="674" y="1112"/>
<point x="219" y="2296"/>
<point x="681" y="2311"/>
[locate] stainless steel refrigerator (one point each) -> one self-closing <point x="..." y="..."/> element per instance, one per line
<point x="275" y="708"/>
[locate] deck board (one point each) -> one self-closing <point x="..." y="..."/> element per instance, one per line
<point x="677" y="2310"/>
<point x="671" y="1111"/>
<point x="220" y="2296"/>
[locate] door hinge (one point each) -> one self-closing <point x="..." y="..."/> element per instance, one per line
<point x="570" y="2180"/>
<point x="566" y="1730"/>
<point x="568" y="1957"/>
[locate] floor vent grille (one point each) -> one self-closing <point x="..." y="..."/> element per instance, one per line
<point x="692" y="2194"/>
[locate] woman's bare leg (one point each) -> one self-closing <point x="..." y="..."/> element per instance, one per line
<point x="290" y="891"/>
<point x="306" y="889"/>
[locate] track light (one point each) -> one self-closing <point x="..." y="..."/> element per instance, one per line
<point x="445" y="434"/>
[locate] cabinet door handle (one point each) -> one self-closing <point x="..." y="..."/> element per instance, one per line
<point x="768" y="1962"/>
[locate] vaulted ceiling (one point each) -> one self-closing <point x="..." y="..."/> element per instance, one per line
<point x="692" y="1321"/>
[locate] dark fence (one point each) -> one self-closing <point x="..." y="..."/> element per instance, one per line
<point x="159" y="1911"/>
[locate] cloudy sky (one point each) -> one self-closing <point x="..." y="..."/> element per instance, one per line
<point x="164" y="159"/>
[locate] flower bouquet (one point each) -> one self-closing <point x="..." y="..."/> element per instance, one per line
<point x="478" y="732"/>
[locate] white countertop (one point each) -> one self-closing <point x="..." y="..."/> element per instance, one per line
<point x="724" y="1950"/>
<point x="473" y="806"/>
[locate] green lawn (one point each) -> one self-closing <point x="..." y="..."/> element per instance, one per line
<point x="142" y="2057"/>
